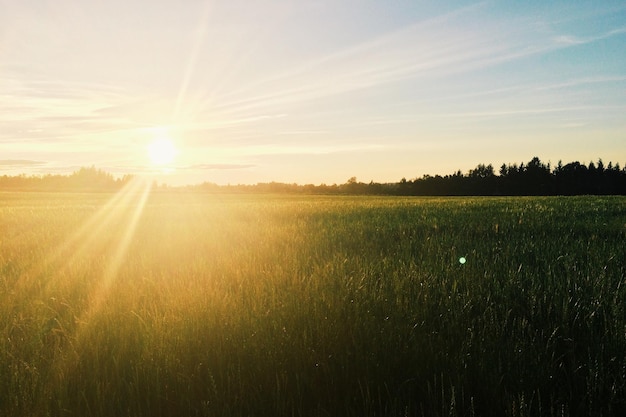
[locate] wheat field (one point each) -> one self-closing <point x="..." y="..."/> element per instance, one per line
<point x="190" y="304"/>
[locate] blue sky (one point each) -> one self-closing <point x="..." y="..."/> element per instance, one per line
<point x="309" y="91"/>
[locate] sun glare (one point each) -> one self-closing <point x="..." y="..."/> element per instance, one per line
<point x="162" y="151"/>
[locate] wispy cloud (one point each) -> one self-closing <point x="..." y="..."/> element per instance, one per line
<point x="17" y="163"/>
<point x="573" y="40"/>
<point x="514" y="112"/>
<point x="425" y="51"/>
<point x="44" y="110"/>
<point x="568" y="40"/>
<point x="213" y="167"/>
<point x="301" y="149"/>
<point x="579" y="82"/>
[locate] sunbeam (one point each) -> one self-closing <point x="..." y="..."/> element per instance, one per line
<point x="128" y="207"/>
<point x="88" y="239"/>
<point x="199" y="36"/>
<point x="129" y="228"/>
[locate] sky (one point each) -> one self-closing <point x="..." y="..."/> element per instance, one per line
<point x="308" y="91"/>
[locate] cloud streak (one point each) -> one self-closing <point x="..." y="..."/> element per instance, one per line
<point x="429" y="49"/>
<point x="214" y="167"/>
<point x="573" y="40"/>
<point x="17" y="163"/>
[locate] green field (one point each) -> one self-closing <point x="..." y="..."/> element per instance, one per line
<point x="225" y="305"/>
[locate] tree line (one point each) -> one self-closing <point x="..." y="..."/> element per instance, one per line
<point x="531" y="178"/>
<point x="86" y="179"/>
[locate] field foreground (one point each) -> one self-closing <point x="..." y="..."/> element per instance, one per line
<point x="210" y="305"/>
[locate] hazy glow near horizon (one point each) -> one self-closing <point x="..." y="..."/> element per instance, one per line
<point x="310" y="91"/>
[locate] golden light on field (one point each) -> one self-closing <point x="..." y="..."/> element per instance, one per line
<point x="121" y="214"/>
<point x="162" y="151"/>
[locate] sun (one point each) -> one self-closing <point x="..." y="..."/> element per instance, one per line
<point x="162" y="151"/>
